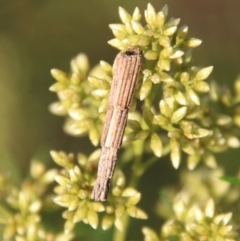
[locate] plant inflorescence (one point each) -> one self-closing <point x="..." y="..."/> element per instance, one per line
<point x="175" y="111"/>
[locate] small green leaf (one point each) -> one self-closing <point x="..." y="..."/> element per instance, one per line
<point x="148" y="116"/>
<point x="129" y="29"/>
<point x="156" y="145"/>
<point x="92" y="218"/>
<point x="64" y="200"/>
<point x="175" y="153"/>
<point x="103" y="106"/>
<point x="155" y="78"/>
<point x="151" y="11"/>
<point x="120" y="27"/>
<point x="165" y="53"/>
<point x="99" y="93"/>
<point x="136" y="14"/>
<point x="149" y="234"/>
<point x="180" y="97"/>
<point x="131" y="40"/>
<point x="59" y="75"/>
<point x="134" y="199"/>
<point x="116" y="43"/>
<point x="165" y="109"/>
<point x="164" y="10"/>
<point x="210" y="160"/>
<point x="124" y="15"/>
<point x="193" y="42"/>
<point x="94" y="135"/>
<point x="119" y="34"/>
<point x="73" y="204"/>
<point x="201" y="86"/>
<point x="176" y="54"/>
<point x="186" y="147"/>
<point x="164" y="41"/>
<point x="129" y="137"/>
<point x="78" y="114"/>
<point x="106" y="66"/>
<point x="137" y="27"/>
<point x="75" y="79"/>
<point x="49" y="176"/>
<point x="135" y="212"/>
<point x="173" y="22"/>
<point x="160" y="20"/>
<point x="170" y="31"/>
<point x="142" y="135"/>
<point x="164" y="64"/>
<point x="184" y="77"/>
<point x="118" y="223"/>
<point x="150" y="15"/>
<point x="58" y="86"/>
<point x="80" y="64"/>
<point x="95" y="155"/>
<point x="143" y="41"/>
<point x="151" y="55"/>
<point x="232" y="180"/>
<point x="161" y="121"/>
<point x="107" y="221"/>
<point x="193" y="160"/>
<point x="201" y="132"/>
<point x="82" y="194"/>
<point x="223" y="120"/>
<point x="193" y="96"/>
<point x="178" y="114"/>
<point x="119" y="211"/>
<point x="62" y="159"/>
<point x="165" y="77"/>
<point x="61" y="180"/>
<point x="58" y="108"/>
<point x="96" y="206"/>
<point x="204" y="73"/>
<point x="129" y="192"/>
<point x="233" y="142"/>
<point x="133" y="125"/>
<point x="74" y="175"/>
<point x="98" y="83"/>
<point x="182" y="33"/>
<point x="145" y="89"/>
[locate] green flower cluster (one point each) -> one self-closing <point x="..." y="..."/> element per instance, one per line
<point x="169" y="79"/>
<point x="178" y="111"/>
<point x="193" y="215"/>
<point x="21" y="208"/>
<point x="74" y="193"/>
<point x="75" y="100"/>
<point x="173" y="116"/>
<point x="192" y="223"/>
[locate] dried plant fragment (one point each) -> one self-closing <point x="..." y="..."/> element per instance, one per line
<point x="127" y="67"/>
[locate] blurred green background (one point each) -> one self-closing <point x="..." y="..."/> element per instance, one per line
<point x="36" y="36"/>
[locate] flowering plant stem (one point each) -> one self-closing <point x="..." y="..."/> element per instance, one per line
<point x="134" y="180"/>
<point x="139" y="169"/>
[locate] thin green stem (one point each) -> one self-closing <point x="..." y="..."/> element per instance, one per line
<point x="121" y="235"/>
<point x="134" y="180"/>
<point x="138" y="170"/>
